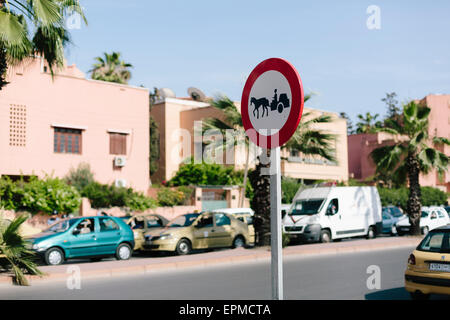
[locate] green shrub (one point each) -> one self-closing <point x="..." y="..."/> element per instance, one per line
<point x="80" y="177"/>
<point x="169" y="198"/>
<point x="39" y="195"/>
<point x="289" y="188"/>
<point x="399" y="196"/>
<point x="10" y="194"/>
<point x="107" y="196"/>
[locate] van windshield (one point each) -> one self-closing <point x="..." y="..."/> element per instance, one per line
<point x="306" y="207"/>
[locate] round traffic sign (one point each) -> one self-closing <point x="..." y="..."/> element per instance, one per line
<point x="272" y="103"/>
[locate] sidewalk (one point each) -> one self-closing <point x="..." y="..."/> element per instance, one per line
<point x="151" y="264"/>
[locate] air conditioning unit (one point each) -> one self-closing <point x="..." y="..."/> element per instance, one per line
<point x="120" y="161"/>
<point x="121" y="183"/>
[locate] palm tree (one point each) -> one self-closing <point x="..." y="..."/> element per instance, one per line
<point x="13" y="252"/>
<point x="46" y="37"/>
<point x="306" y="140"/>
<point x="413" y="153"/>
<point x="111" y="68"/>
<point x="368" y="123"/>
<point x="233" y="120"/>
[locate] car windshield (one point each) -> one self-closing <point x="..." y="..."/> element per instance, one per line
<point x="61" y="226"/>
<point x="183" y="221"/>
<point x="437" y="241"/>
<point x="306" y="207"/>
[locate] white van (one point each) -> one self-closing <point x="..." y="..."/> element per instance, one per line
<point x="328" y="213"/>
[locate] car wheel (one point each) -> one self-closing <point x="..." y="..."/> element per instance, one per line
<point x="419" y="296"/>
<point x="123" y="252"/>
<point x="238" y="242"/>
<point x="183" y="247"/>
<point x="325" y="236"/>
<point x="425" y="230"/>
<point x="371" y="233"/>
<point x="54" y="256"/>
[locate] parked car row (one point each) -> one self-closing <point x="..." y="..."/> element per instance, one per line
<point x="103" y="236"/>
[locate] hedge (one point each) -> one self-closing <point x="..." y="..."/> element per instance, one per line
<point x="38" y="195"/>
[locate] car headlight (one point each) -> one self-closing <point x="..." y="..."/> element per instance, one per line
<point x="36" y="246"/>
<point x="165" y="236"/>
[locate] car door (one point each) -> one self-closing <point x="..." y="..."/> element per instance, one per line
<point x="108" y="235"/>
<point x="334" y="219"/>
<point x="203" y="230"/>
<point x="222" y="234"/>
<point x="83" y="240"/>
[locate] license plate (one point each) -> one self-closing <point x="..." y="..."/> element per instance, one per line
<point x="440" y="267"/>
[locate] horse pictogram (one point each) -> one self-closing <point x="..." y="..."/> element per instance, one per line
<point x="276" y="104"/>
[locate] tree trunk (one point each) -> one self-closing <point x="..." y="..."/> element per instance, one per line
<point x="413" y="207"/>
<point x="3" y="67"/>
<point x="261" y="203"/>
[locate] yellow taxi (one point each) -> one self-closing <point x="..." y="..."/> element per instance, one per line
<point x="428" y="270"/>
<point x="245" y="215"/>
<point x="141" y="224"/>
<point x="198" y="231"/>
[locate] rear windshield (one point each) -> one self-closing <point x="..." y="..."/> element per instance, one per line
<point x="306" y="207"/>
<point x="436" y="242"/>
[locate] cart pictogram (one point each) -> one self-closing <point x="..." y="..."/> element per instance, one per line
<point x="279" y="104"/>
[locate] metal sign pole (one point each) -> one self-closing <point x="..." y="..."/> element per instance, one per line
<point x="275" y="225"/>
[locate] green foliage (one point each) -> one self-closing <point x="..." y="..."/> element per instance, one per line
<point x="289" y="188"/>
<point x="80" y="177"/>
<point x="168" y="197"/>
<point x="15" y="256"/>
<point x="106" y="196"/>
<point x="154" y="146"/>
<point x="38" y="195"/>
<point x="399" y="196"/>
<point x="111" y="68"/>
<point x="206" y="174"/>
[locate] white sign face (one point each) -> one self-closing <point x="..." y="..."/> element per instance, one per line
<point x="269" y="102"/>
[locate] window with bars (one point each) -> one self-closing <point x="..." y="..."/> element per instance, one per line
<point x="67" y="141"/>
<point x="117" y="143"/>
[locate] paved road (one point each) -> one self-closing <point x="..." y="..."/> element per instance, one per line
<point x="340" y="276"/>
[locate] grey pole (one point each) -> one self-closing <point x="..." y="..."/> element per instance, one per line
<point x="275" y="225"/>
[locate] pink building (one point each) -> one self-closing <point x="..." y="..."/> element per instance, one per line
<point x="50" y="125"/>
<point x="360" y="146"/>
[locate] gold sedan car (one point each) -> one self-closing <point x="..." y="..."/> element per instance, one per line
<point x="428" y="268"/>
<point x="141" y="224"/>
<point x="198" y="231"/>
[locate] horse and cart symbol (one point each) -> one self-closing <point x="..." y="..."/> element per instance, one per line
<point x="276" y="104"/>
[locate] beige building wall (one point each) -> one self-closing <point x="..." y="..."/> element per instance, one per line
<point x="33" y="104"/>
<point x="174" y="115"/>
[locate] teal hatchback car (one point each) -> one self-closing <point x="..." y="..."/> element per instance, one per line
<point x="84" y="237"/>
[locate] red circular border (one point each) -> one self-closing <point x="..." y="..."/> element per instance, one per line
<point x="293" y="78"/>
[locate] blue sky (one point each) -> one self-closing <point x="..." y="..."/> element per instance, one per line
<point x="214" y="45"/>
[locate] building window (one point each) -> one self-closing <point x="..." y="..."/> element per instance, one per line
<point x="67" y="141"/>
<point x="118" y="143"/>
